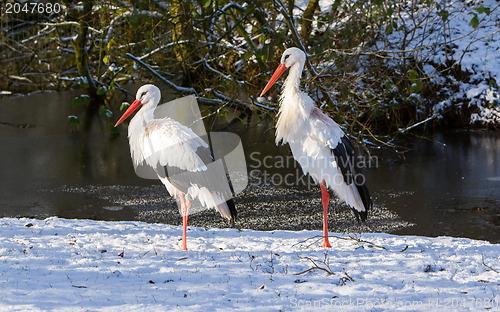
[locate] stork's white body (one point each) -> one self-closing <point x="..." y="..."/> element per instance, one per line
<point x="317" y="142"/>
<point x="312" y="136"/>
<point x="164" y="144"/>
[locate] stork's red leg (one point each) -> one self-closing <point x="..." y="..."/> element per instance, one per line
<point x="325" y="197"/>
<point x="185" y="205"/>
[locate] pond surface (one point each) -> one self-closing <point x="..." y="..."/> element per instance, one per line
<point x="449" y="184"/>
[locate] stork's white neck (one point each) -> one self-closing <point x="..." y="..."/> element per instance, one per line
<point x="295" y="106"/>
<point x="141" y="120"/>
<point x="292" y="82"/>
<point x="147" y="112"/>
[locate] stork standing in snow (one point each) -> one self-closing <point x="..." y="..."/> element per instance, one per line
<point x="179" y="157"/>
<point x="318" y="144"/>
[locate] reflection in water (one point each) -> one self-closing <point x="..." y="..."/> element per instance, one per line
<point x="38" y="159"/>
<point x="444" y="186"/>
<point x="448" y="185"/>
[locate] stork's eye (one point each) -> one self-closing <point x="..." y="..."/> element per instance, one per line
<point x="143" y="94"/>
<point x="286" y="56"/>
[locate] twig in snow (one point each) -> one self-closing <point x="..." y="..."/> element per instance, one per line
<point x="489" y="267"/>
<point x="270" y="270"/>
<point x="358" y="240"/>
<point x="43" y="32"/>
<point x="163" y="47"/>
<point x="70" y="23"/>
<point x="354" y="238"/>
<point x="326" y="267"/>
<point x="343" y="280"/>
<point x="252" y="257"/>
<point x="347" y="275"/>
<point x="317" y="239"/>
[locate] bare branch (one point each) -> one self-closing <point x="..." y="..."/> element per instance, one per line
<point x="165" y="80"/>
<point x="418" y="123"/>
<point x="71" y="23"/>
<point x="163" y="47"/>
<point x="219" y="73"/>
<point x="222" y="98"/>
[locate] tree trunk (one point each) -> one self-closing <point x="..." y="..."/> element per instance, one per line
<point x="307" y="19"/>
<point x="82" y="63"/>
<point x="181" y="11"/>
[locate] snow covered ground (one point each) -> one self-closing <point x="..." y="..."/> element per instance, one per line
<point x="70" y="265"/>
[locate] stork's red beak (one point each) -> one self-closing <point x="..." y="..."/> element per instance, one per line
<point x="277" y="73"/>
<point x="129" y="111"/>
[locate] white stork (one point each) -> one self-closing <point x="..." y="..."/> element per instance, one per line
<point x="179" y="157"/>
<point x="318" y="144"/>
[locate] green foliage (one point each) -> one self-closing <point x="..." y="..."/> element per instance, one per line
<point x="482" y="10"/>
<point x="81" y="100"/>
<point x="416" y="82"/>
<point x="474" y="22"/>
<point x="104" y="112"/>
<point x="233" y="46"/>
<point x="73" y="120"/>
<point x="102" y="91"/>
<point x="124" y="106"/>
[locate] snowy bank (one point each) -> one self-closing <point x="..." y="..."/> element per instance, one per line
<point x="63" y="265"/>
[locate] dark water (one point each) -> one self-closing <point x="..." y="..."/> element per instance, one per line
<point x="449" y="184"/>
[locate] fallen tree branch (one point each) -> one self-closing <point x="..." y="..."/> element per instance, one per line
<point x="358" y="241"/>
<point x="353" y="238"/>
<point x="489" y="267"/>
<point x="315" y="266"/>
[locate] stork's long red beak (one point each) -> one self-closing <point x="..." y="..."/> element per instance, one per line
<point x="277" y="73"/>
<point x="129" y="111"/>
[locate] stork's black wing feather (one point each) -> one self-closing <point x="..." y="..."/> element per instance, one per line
<point x="348" y="161"/>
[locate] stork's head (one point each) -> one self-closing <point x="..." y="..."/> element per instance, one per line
<point x="147" y="95"/>
<point x="291" y="57"/>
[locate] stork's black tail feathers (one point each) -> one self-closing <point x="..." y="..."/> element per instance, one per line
<point x="232" y="209"/>
<point x="230" y="202"/>
<point x="367" y="202"/>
